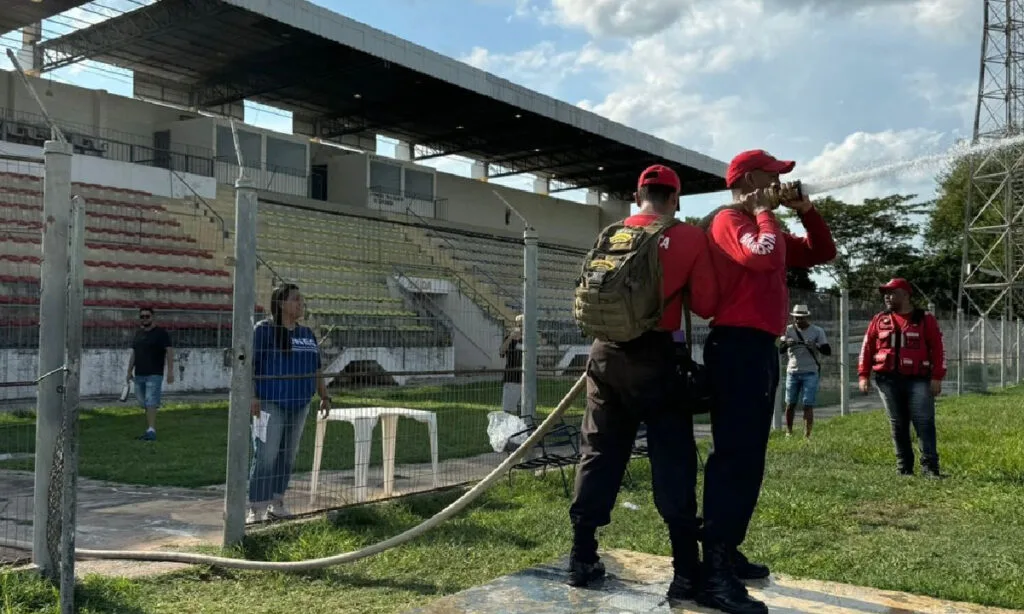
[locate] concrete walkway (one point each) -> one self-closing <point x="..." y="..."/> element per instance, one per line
<point x="637" y="583"/>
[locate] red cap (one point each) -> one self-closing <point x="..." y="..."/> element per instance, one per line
<point x="897" y="283"/>
<point x="659" y="174"/>
<point x="755" y="160"/>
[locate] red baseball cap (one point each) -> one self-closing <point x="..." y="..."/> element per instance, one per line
<point x="897" y="283"/>
<point x="659" y="174"/>
<point x="755" y="160"/>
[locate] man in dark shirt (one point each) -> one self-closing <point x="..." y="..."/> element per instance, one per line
<point x="151" y="351"/>
<point x="512" y="380"/>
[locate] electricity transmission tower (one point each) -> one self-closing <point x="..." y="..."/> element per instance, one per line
<point x="992" y="271"/>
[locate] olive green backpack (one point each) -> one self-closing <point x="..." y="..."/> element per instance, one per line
<point x="618" y="294"/>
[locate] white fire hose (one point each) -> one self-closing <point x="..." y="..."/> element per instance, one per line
<point x="349" y="557"/>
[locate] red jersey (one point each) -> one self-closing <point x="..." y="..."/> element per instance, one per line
<point x="872" y="351"/>
<point x="750" y="257"/>
<point x="684" y="255"/>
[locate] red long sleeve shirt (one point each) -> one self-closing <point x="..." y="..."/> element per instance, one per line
<point x="684" y="255"/>
<point x="750" y="256"/>
<point x="932" y="338"/>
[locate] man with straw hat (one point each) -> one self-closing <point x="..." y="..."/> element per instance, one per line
<point x="804" y="343"/>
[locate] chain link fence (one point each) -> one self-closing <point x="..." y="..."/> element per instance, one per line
<point x="408" y="327"/>
<point x="21" y="215"/>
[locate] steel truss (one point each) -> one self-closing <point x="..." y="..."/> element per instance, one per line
<point x="136" y="25"/>
<point x="992" y="272"/>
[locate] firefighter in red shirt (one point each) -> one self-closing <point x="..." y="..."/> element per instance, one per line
<point x="634" y="381"/>
<point x="903" y="348"/>
<point x="750" y="253"/>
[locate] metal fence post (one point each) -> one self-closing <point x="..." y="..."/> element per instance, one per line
<point x="1020" y="350"/>
<point x="780" y="402"/>
<point x="960" y="351"/>
<point x="243" y="314"/>
<point x="530" y="336"/>
<point x="1002" y="351"/>
<point x="983" y="322"/>
<point x="844" y="351"/>
<point x="69" y="499"/>
<point x="53" y="303"/>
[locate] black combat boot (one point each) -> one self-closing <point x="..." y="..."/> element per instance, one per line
<point x="721" y="589"/>
<point x="931" y="470"/>
<point x="746" y="570"/>
<point x="584" y="564"/>
<point x="685" y="564"/>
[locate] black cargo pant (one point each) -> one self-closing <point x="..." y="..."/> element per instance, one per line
<point x="743" y="367"/>
<point x="630" y="383"/>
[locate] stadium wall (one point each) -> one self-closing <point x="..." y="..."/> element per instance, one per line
<point x="103" y="371"/>
<point x="95" y="110"/>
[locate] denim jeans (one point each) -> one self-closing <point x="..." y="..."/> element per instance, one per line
<point x="148" y="390"/>
<point x="910" y="401"/>
<point x="802" y="387"/>
<point x="274" y="456"/>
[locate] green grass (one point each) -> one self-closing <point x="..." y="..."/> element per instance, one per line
<point x="192" y="443"/>
<point x="832" y="509"/>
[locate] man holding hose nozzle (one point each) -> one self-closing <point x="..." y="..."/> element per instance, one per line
<point x="750" y="253"/>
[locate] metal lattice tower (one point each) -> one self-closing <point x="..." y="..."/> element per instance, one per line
<point x="992" y="275"/>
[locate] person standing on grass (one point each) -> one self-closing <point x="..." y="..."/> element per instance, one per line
<point x="152" y="352"/>
<point x="512" y="351"/>
<point x="630" y="297"/>
<point x="803" y="342"/>
<point x="751" y="253"/>
<point x="286" y="373"/>
<point x="903" y="348"/>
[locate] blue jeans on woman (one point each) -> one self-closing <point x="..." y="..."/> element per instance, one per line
<point x="909" y="401"/>
<point x="274" y="457"/>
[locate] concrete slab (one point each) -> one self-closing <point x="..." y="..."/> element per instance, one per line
<point x="637" y="584"/>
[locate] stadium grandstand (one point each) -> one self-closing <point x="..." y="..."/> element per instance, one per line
<point x="405" y="269"/>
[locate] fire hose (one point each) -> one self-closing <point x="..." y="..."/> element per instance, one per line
<point x="350" y="557"/>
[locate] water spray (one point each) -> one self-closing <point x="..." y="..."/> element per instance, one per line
<point x="818" y="186"/>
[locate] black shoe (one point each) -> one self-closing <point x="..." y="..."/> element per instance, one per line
<point x="686" y="564"/>
<point x="721" y="589"/>
<point x="582" y="574"/>
<point x="931" y="472"/>
<point x="685" y="586"/>
<point x="745" y="570"/>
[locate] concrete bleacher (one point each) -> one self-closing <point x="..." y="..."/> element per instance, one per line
<point x="344" y="266"/>
<point x="137" y="253"/>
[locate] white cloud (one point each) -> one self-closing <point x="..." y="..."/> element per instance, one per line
<point x="541" y="68"/>
<point x="939" y="19"/>
<point x="635" y="18"/>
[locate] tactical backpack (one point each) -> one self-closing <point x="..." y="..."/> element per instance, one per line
<point x="618" y="294"/>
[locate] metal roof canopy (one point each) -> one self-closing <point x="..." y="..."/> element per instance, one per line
<point x="17" y="14"/>
<point x="297" y="56"/>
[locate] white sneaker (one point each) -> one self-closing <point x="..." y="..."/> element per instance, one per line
<point x="278" y="510"/>
<point x="256" y="514"/>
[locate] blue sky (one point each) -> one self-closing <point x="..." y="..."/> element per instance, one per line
<point x="835" y="88"/>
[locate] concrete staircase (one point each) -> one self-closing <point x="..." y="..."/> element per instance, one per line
<point x="548" y="355"/>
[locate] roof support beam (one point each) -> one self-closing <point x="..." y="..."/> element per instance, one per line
<point x="119" y="31"/>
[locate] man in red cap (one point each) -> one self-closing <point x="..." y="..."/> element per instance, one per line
<point x="903" y="348"/>
<point x="635" y="379"/>
<point x="750" y="253"/>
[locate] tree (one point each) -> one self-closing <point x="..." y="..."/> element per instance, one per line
<point x="873" y="239"/>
